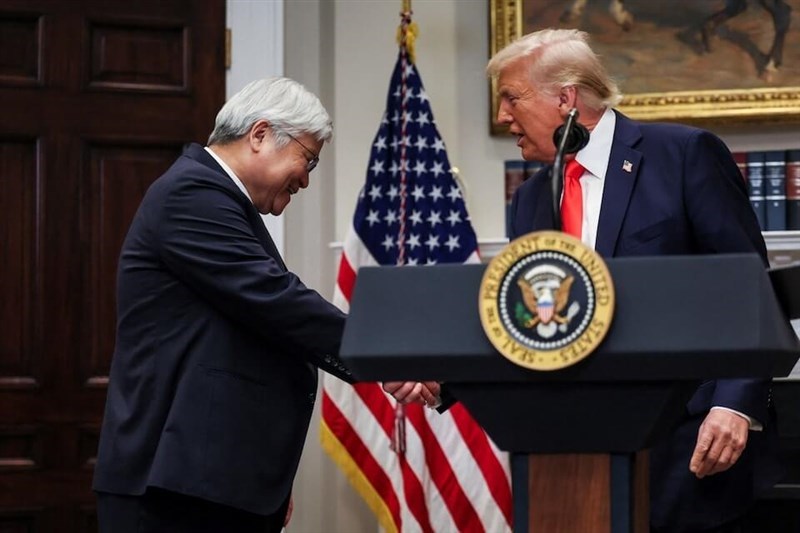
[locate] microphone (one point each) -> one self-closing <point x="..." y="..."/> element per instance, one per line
<point x="568" y="138"/>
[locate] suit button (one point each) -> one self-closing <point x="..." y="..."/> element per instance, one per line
<point x="311" y="398"/>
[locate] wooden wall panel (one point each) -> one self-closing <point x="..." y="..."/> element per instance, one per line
<point x="87" y="519"/>
<point x="138" y="57"/>
<point x="19" y="265"/>
<point x="20" y="49"/>
<point x="20" y="449"/>
<point x="88" y="439"/>
<point x="20" y="520"/>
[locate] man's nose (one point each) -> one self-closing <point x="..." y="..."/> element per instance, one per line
<point x="503" y="116"/>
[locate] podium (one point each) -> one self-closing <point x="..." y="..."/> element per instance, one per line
<point x="578" y="436"/>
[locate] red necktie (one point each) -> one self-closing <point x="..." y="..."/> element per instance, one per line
<point x="572" y="201"/>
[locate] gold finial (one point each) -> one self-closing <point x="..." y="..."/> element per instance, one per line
<point x="407" y="31"/>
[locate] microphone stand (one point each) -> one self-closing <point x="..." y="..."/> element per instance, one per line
<point x="557" y="172"/>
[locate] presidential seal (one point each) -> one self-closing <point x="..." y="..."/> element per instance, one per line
<point x="546" y="301"/>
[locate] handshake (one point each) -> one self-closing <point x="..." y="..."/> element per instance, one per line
<point x="424" y="392"/>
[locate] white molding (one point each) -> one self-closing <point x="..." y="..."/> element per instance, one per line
<point x="782" y="240"/>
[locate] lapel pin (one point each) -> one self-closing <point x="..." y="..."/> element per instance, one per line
<point x="627" y="166"/>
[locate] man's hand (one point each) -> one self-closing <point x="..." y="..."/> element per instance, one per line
<point x="720" y="441"/>
<point x="424" y="392"/>
<point x="289" y="511"/>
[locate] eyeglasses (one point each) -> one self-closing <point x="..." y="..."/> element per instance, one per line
<point x="312" y="163"/>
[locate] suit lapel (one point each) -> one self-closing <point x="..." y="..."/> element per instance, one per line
<point x="544" y="217"/>
<point x="621" y="174"/>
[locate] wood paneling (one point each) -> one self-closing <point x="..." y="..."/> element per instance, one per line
<point x="20" y="38"/>
<point x="20" y="520"/>
<point x="88" y="438"/>
<point x="19" y="267"/>
<point x="574" y="492"/>
<point x="138" y="57"/>
<point x="20" y="449"/>
<point x="569" y="493"/>
<point x="99" y="97"/>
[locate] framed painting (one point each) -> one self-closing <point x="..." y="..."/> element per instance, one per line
<point x="693" y="61"/>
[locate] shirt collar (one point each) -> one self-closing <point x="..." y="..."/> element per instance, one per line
<point x="595" y="155"/>
<point x="229" y="172"/>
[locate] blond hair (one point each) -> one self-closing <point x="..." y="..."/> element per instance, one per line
<point x="561" y="58"/>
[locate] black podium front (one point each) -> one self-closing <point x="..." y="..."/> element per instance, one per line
<point x="678" y="320"/>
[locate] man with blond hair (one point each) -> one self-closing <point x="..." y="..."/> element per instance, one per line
<point x="647" y="189"/>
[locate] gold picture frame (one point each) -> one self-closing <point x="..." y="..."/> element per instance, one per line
<point x="718" y="106"/>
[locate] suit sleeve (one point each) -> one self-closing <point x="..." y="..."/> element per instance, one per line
<point x="207" y="242"/>
<point x="724" y="222"/>
<point x="715" y="195"/>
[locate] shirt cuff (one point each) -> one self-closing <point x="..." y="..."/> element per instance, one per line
<point x="755" y="425"/>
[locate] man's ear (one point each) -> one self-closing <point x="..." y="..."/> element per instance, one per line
<point x="259" y="133"/>
<point x="567" y="99"/>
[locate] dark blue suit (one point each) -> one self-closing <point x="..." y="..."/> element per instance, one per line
<point x="683" y="195"/>
<point x="214" y="374"/>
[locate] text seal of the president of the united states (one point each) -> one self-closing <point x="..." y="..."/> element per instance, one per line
<point x="546" y="300"/>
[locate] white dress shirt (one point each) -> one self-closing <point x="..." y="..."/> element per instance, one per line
<point x="594" y="159"/>
<point x="231" y="174"/>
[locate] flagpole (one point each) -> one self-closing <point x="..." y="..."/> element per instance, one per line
<point x="405" y="39"/>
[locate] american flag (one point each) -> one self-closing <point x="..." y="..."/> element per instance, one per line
<point x="451" y="476"/>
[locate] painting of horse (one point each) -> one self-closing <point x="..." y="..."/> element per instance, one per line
<point x="780" y="12"/>
<point x="684" y="45"/>
<point x="616" y="8"/>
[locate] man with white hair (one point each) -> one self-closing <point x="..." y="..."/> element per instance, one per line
<point x="214" y="373"/>
<point x="646" y="189"/>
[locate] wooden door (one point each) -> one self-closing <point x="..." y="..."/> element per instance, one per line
<point x="97" y="99"/>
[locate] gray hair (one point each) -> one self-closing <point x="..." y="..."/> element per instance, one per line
<point x="290" y="109"/>
<point x="561" y="58"/>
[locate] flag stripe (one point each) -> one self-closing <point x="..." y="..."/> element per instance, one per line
<point x="346" y="278"/>
<point x="467" y="472"/>
<point x="376" y="401"/>
<point x="460" y="507"/>
<point x="497" y="479"/>
<point x="415" y="496"/>
<point x="374" y="473"/>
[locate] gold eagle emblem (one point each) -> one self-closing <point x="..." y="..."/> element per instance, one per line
<point x="546" y="302"/>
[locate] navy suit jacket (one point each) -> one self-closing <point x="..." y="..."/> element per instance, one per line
<point x="683" y="195"/>
<point x="214" y="373"/>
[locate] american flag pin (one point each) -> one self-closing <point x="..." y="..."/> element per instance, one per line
<point x="627" y="166"/>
